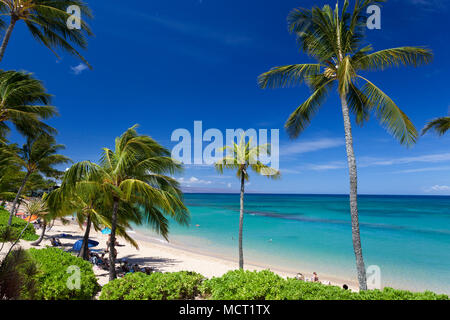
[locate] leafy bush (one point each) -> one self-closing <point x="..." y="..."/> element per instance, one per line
<point x="265" y="285"/>
<point x="244" y="285"/>
<point x="53" y="276"/>
<point x="157" y="286"/>
<point x="16" y="228"/>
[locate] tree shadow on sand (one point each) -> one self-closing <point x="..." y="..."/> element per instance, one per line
<point x="157" y="263"/>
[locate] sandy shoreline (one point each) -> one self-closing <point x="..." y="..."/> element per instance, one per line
<point x="164" y="257"/>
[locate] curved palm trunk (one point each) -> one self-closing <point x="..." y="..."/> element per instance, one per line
<point x="84" y="252"/>
<point x="16" y="199"/>
<point x="7" y="36"/>
<point x="17" y="240"/>
<point x="353" y="197"/>
<point x="41" y="237"/>
<point x="112" y="241"/>
<point x="241" y="223"/>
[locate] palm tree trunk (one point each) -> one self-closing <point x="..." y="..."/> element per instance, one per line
<point x="84" y="252"/>
<point x="241" y="222"/>
<point x="8" y="33"/>
<point x="112" y="241"/>
<point x="353" y="197"/>
<point x="41" y="237"/>
<point x="16" y="199"/>
<point x="18" y="239"/>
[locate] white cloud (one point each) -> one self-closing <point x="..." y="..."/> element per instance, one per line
<point x="310" y="146"/>
<point x="424" y="169"/>
<point x="193" y="181"/>
<point x="438" y="188"/>
<point x="79" y="68"/>
<point x="430" y="158"/>
<point x="328" y="166"/>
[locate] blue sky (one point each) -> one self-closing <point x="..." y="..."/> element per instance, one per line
<point x="166" y="63"/>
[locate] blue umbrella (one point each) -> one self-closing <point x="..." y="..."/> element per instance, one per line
<point x="106" y="231"/>
<point x="77" y="245"/>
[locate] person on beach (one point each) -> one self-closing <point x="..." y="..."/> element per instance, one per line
<point x="315" y="277"/>
<point x="300" y="277"/>
<point x="55" y="242"/>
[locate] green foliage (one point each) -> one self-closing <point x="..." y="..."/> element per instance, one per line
<point x="244" y="285"/>
<point x="18" y="276"/>
<point x="157" y="286"/>
<point x="265" y="285"/>
<point x="16" y="228"/>
<point x="53" y="264"/>
<point x="439" y="125"/>
<point x="335" y="39"/>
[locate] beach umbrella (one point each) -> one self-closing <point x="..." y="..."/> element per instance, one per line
<point x="31" y="218"/>
<point x="77" y="245"/>
<point x="106" y="231"/>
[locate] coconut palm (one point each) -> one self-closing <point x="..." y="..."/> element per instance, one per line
<point x="86" y="203"/>
<point x="240" y="158"/>
<point x="34" y="207"/>
<point x="47" y="21"/>
<point x="334" y="39"/>
<point x="439" y="125"/>
<point x="18" y="276"/>
<point x="38" y="155"/>
<point x="24" y="103"/>
<point x="134" y="174"/>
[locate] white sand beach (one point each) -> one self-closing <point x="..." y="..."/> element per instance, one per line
<point x="164" y="257"/>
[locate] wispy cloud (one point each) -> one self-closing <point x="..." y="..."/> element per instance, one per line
<point x="429" y="158"/>
<point x="364" y="162"/>
<point x="424" y="170"/>
<point x="328" y="166"/>
<point x="193" y="181"/>
<point x="196" y="30"/>
<point x="310" y="146"/>
<point x="438" y="189"/>
<point x="79" y="68"/>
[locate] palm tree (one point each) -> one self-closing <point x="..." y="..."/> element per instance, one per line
<point x="24" y="102"/>
<point x="242" y="157"/>
<point x="34" y="207"/>
<point x="439" y="125"/>
<point x="334" y="39"/>
<point x="47" y="22"/>
<point x="38" y="155"/>
<point x="18" y="276"/>
<point x="133" y="175"/>
<point x="86" y="203"/>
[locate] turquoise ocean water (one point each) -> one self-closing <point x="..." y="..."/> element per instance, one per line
<point x="408" y="237"/>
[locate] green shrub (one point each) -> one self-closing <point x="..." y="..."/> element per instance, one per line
<point x="53" y="276"/>
<point x="17" y="226"/>
<point x="157" y="286"/>
<point x="244" y="285"/>
<point x="265" y="285"/>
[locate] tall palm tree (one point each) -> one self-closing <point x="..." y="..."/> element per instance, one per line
<point x="134" y="175"/>
<point x="47" y="22"/>
<point x="24" y="103"/>
<point x="34" y="207"/>
<point x="86" y="203"/>
<point x="334" y="39"/>
<point x="242" y="157"/>
<point x="439" y="125"/>
<point x="38" y="155"/>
